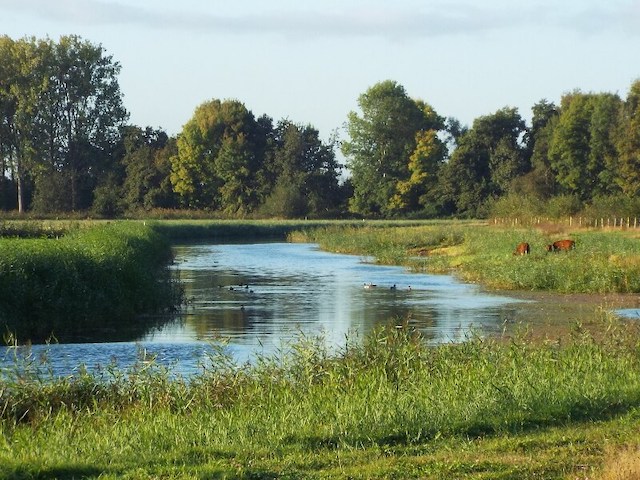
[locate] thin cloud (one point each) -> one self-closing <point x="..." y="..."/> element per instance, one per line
<point x="390" y="22"/>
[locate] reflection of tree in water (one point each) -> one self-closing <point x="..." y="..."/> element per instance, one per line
<point x="297" y="290"/>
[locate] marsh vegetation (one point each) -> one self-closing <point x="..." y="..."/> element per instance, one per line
<point x="385" y="405"/>
<point x="76" y="277"/>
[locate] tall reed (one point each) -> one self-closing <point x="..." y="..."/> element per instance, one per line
<point x="386" y="390"/>
<point x="387" y="387"/>
<point x="109" y="272"/>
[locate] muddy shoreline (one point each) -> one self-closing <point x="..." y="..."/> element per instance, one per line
<point x="553" y="315"/>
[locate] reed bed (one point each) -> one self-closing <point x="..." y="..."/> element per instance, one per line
<point x="226" y="230"/>
<point x="388" y="392"/>
<point x="40" y="228"/>
<point x="106" y="272"/>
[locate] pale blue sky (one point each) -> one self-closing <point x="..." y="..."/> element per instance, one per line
<point x="309" y="61"/>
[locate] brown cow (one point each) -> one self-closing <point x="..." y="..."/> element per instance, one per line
<point x="522" y="249"/>
<point x="565" y="245"/>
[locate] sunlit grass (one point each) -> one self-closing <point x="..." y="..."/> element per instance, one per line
<point x="602" y="262"/>
<point x="384" y="405"/>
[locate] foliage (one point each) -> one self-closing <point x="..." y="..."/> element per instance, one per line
<point x="516" y="206"/>
<point x="628" y="143"/>
<point x="147" y="168"/>
<point x="381" y="143"/>
<point x="204" y="161"/>
<point x="305" y="173"/>
<point x="424" y="164"/>
<point x="229" y="162"/>
<point x="63" y="107"/>
<point x="64" y="147"/>
<point x="488" y="158"/>
<point x="582" y="150"/>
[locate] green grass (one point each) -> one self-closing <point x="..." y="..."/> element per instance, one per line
<point x="385" y="406"/>
<point x="602" y="262"/>
<point x="108" y="272"/>
<point x="225" y="230"/>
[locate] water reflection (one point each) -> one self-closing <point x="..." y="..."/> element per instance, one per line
<point x="259" y="297"/>
<point x="629" y="313"/>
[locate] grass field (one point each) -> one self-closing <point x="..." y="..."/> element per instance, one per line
<point x="602" y="261"/>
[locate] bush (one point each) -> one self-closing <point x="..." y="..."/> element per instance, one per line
<point x="515" y="206"/>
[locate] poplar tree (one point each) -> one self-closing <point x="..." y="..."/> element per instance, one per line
<point x="628" y="142"/>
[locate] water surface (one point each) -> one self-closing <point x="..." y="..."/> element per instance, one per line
<point x="258" y="298"/>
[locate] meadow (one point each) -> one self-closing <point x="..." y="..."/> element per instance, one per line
<point x="603" y="261"/>
<point x="383" y="406"/>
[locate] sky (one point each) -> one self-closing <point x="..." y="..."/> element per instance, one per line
<point x="309" y="61"/>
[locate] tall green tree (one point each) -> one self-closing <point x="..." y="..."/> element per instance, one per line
<point x="80" y="115"/>
<point x="419" y="189"/>
<point x="147" y="167"/>
<point x="235" y="166"/>
<point x="23" y="84"/>
<point x="603" y="157"/>
<point x="540" y="182"/>
<point x="218" y="158"/>
<point x="307" y="182"/>
<point x="489" y="157"/>
<point x="628" y="143"/>
<point x="582" y="149"/>
<point x="382" y="140"/>
<point x="7" y="117"/>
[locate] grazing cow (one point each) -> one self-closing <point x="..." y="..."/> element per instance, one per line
<point x="522" y="249"/>
<point x="565" y="245"/>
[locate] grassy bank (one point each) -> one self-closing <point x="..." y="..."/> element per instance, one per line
<point x="385" y="406"/>
<point x="90" y="275"/>
<point x="602" y="262"/>
<point x="231" y="230"/>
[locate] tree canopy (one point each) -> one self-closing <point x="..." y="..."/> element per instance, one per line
<point x="65" y="145"/>
<point x="382" y="141"/>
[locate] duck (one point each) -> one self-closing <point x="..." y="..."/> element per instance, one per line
<point x="369" y="285"/>
<point x="393" y="287"/>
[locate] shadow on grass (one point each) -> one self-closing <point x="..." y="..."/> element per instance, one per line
<point x="63" y="473"/>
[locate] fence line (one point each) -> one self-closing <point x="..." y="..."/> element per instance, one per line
<point x="615" y="222"/>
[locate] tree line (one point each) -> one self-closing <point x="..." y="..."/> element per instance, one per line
<point x="66" y="145"/>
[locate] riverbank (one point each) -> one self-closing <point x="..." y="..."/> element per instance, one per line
<point x="602" y="262"/>
<point x="74" y="278"/>
<point x="386" y="406"/>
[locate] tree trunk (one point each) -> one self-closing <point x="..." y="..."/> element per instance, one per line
<point x="20" y="190"/>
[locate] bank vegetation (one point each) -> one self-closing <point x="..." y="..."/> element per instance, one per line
<point x="387" y="405"/>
